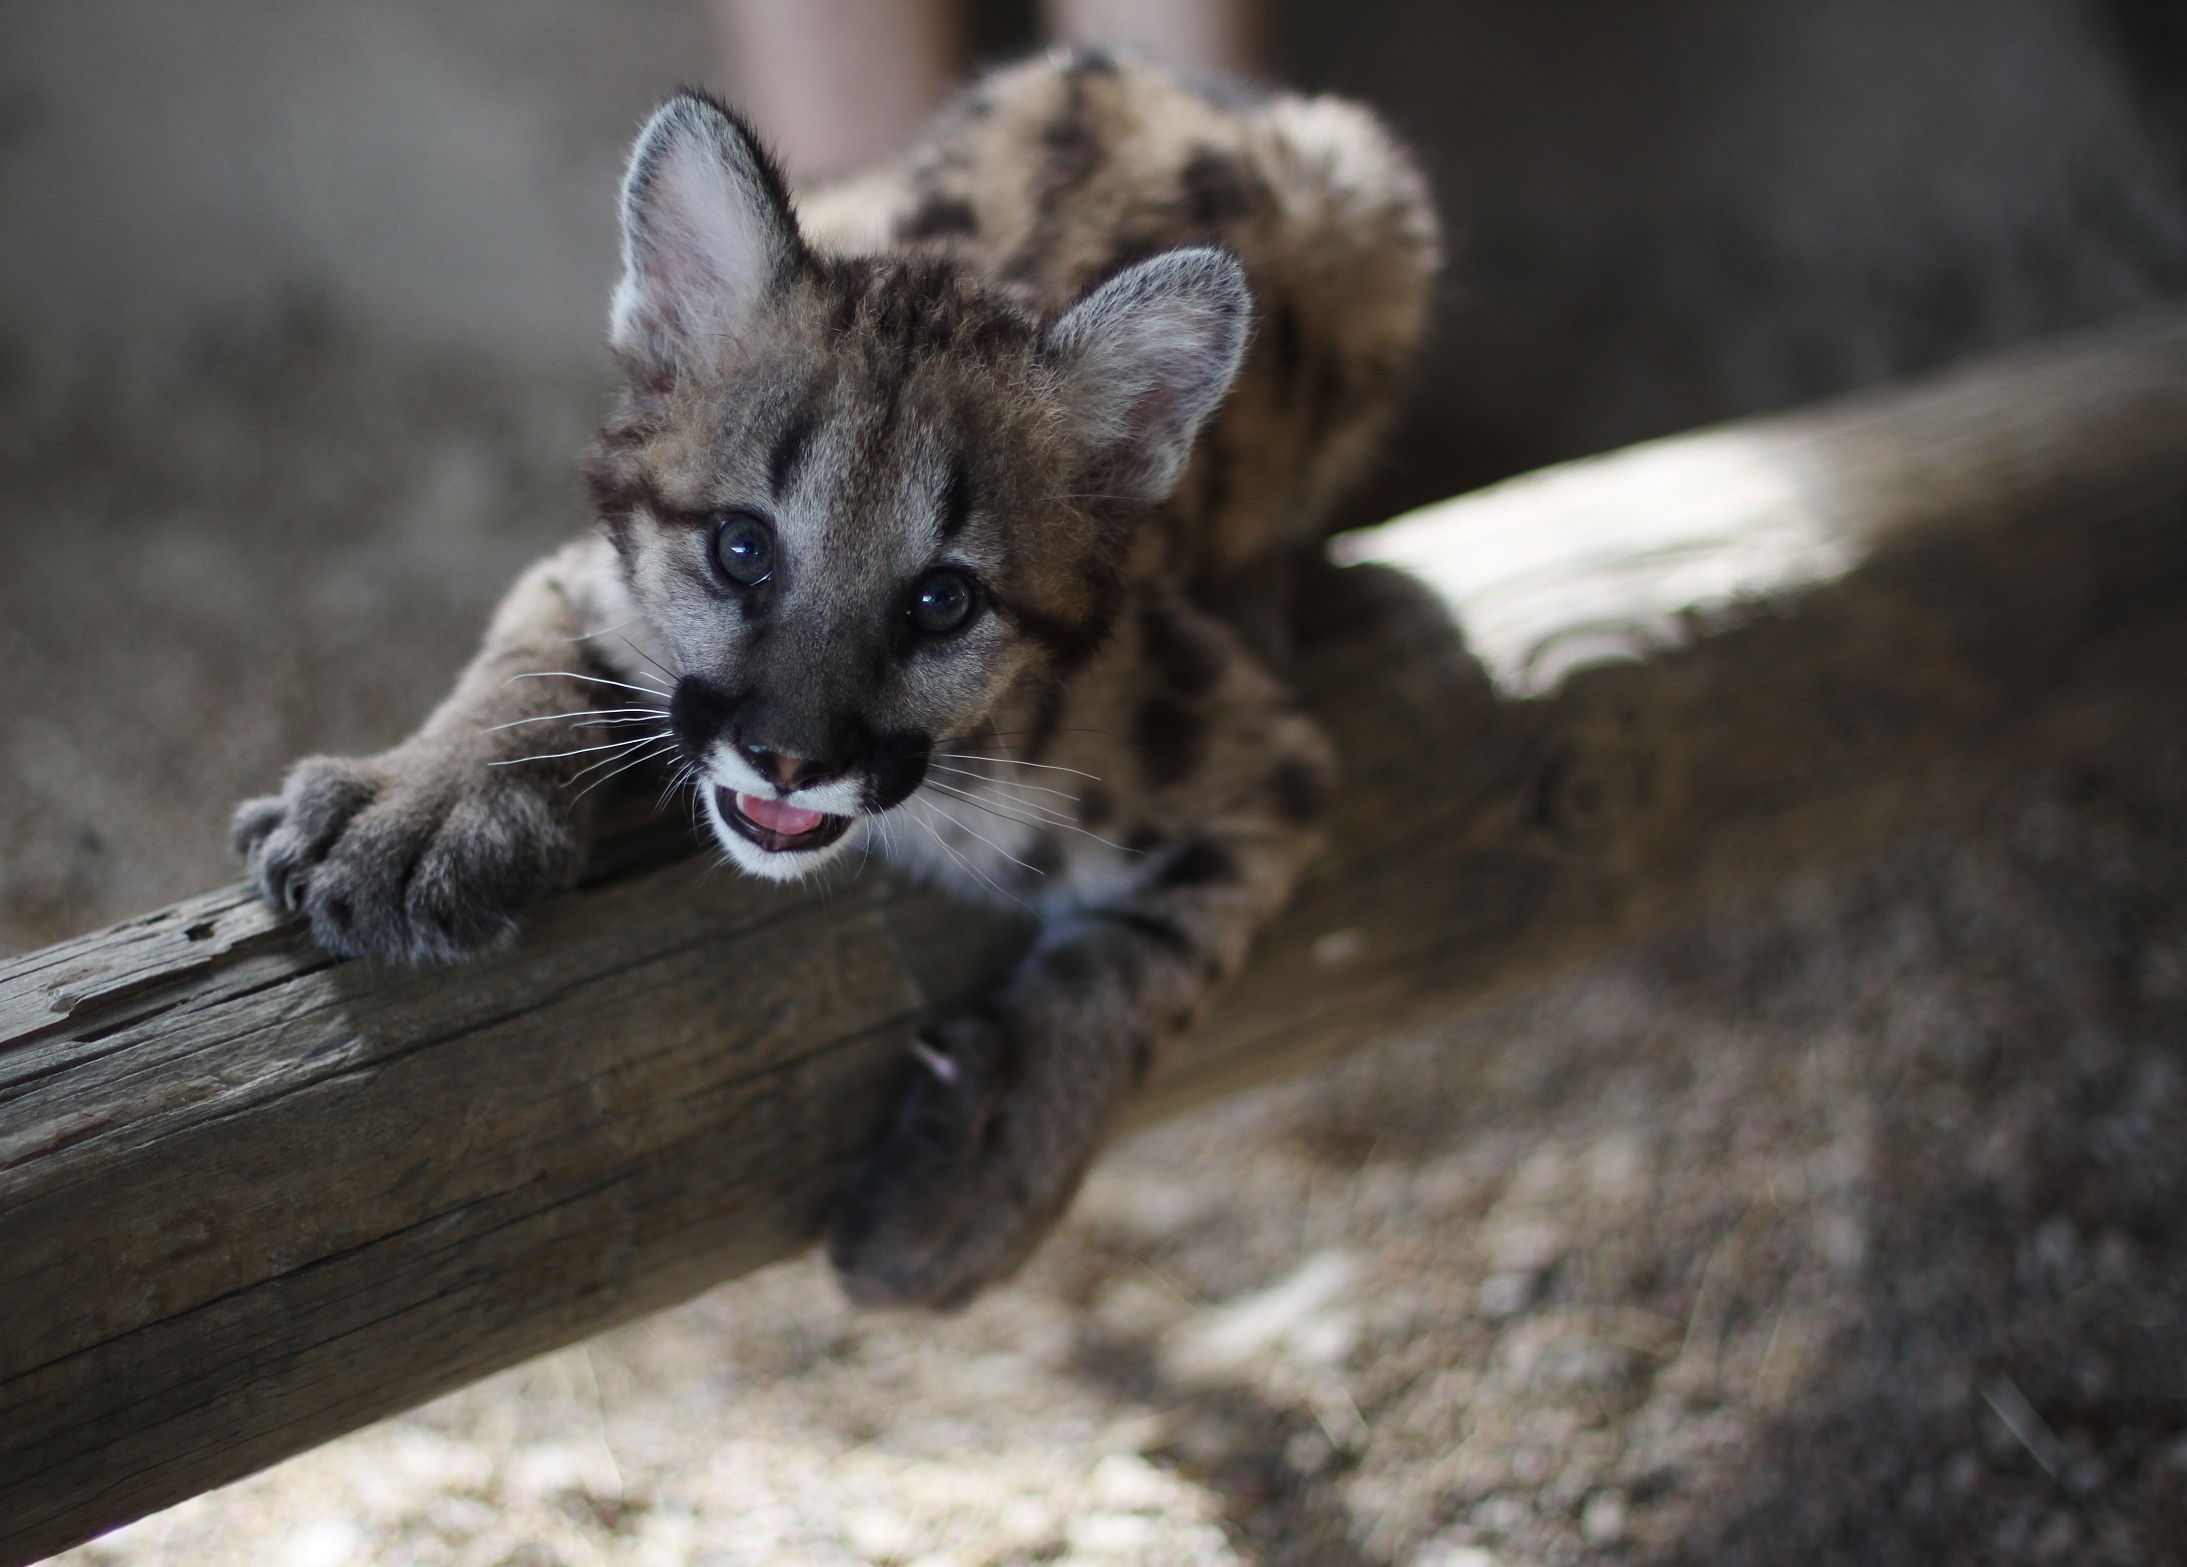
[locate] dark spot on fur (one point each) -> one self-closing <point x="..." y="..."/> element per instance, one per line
<point x="1143" y="839"/>
<point x="620" y="486"/>
<point x="956" y="505"/>
<point x="1300" y="792"/>
<point x="1073" y="150"/>
<point x="1095" y="808"/>
<point x="1042" y="858"/>
<point x="1190" y="661"/>
<point x="1069" y="642"/>
<point x="896" y="314"/>
<point x="1046" y="717"/>
<point x="1071" y="966"/>
<point x="1216" y="190"/>
<point x="937" y="217"/>
<point x="1071" y="153"/>
<point x="1142" y="1059"/>
<point x="787" y="454"/>
<point x="1202" y="862"/>
<point x="1171" y="738"/>
<point x="1164" y="933"/>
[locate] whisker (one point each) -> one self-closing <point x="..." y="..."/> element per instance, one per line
<point x="635" y="761"/>
<point x="583" y="750"/>
<point x="684" y="773"/>
<point x="1045" y="814"/>
<point x="1020" y="734"/>
<point x="649" y="658"/>
<point x="701" y="828"/>
<point x="945" y="845"/>
<point x="1063" y="826"/>
<point x="557" y="718"/>
<point x="571" y="674"/>
<point x="623" y="750"/>
<point x="992" y="844"/>
<point x="652" y="722"/>
<point x="1046" y="767"/>
<point x="1008" y="783"/>
<point x="970" y="869"/>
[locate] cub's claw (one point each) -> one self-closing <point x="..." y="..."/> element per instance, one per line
<point x="963" y="1184"/>
<point x="395" y="860"/>
<point x="934" y="1061"/>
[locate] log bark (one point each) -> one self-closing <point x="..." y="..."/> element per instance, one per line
<point x="251" y="1198"/>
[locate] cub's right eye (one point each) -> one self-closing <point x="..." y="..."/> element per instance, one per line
<point x="743" y="547"/>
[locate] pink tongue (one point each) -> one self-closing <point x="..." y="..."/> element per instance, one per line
<point x="778" y="816"/>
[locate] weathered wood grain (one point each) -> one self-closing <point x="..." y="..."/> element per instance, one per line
<point x="250" y="1199"/>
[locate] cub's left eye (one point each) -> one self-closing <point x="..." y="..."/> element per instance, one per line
<point x="743" y="547"/>
<point x="941" y="602"/>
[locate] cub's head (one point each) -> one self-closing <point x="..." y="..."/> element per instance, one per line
<point x="863" y="500"/>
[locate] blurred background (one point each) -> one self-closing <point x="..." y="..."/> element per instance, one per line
<point x="301" y="308"/>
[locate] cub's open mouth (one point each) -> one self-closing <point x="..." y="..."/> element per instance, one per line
<point x="776" y="825"/>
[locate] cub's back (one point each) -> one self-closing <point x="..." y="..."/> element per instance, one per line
<point x="1051" y="176"/>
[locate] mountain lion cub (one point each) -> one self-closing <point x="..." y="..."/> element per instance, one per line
<point x="909" y="511"/>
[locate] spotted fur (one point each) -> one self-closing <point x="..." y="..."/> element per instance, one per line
<point x="912" y="512"/>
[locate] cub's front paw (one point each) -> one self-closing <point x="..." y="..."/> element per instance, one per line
<point x="965" y="1182"/>
<point x="390" y="858"/>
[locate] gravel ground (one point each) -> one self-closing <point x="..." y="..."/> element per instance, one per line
<point x="1848" y="1230"/>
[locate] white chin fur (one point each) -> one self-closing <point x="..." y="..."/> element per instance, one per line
<point x="785" y="865"/>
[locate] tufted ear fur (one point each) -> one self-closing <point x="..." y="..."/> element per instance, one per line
<point x="708" y="233"/>
<point x="1147" y="356"/>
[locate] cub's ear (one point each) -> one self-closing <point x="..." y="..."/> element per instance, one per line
<point x="708" y="233"/>
<point x="1147" y="356"/>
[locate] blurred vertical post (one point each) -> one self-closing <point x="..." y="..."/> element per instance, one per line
<point x="1213" y="37"/>
<point x="837" y="84"/>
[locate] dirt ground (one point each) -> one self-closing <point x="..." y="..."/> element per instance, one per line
<point x="1846" y="1230"/>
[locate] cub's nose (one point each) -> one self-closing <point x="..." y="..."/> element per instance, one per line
<point x="784" y="771"/>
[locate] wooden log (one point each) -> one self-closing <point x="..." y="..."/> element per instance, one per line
<point x="251" y="1198"/>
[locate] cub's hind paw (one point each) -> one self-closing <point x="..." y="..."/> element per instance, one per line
<point x="961" y="1187"/>
<point x="405" y="863"/>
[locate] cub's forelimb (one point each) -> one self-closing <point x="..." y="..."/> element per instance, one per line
<point x="1013" y="1100"/>
<point x="427" y="852"/>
